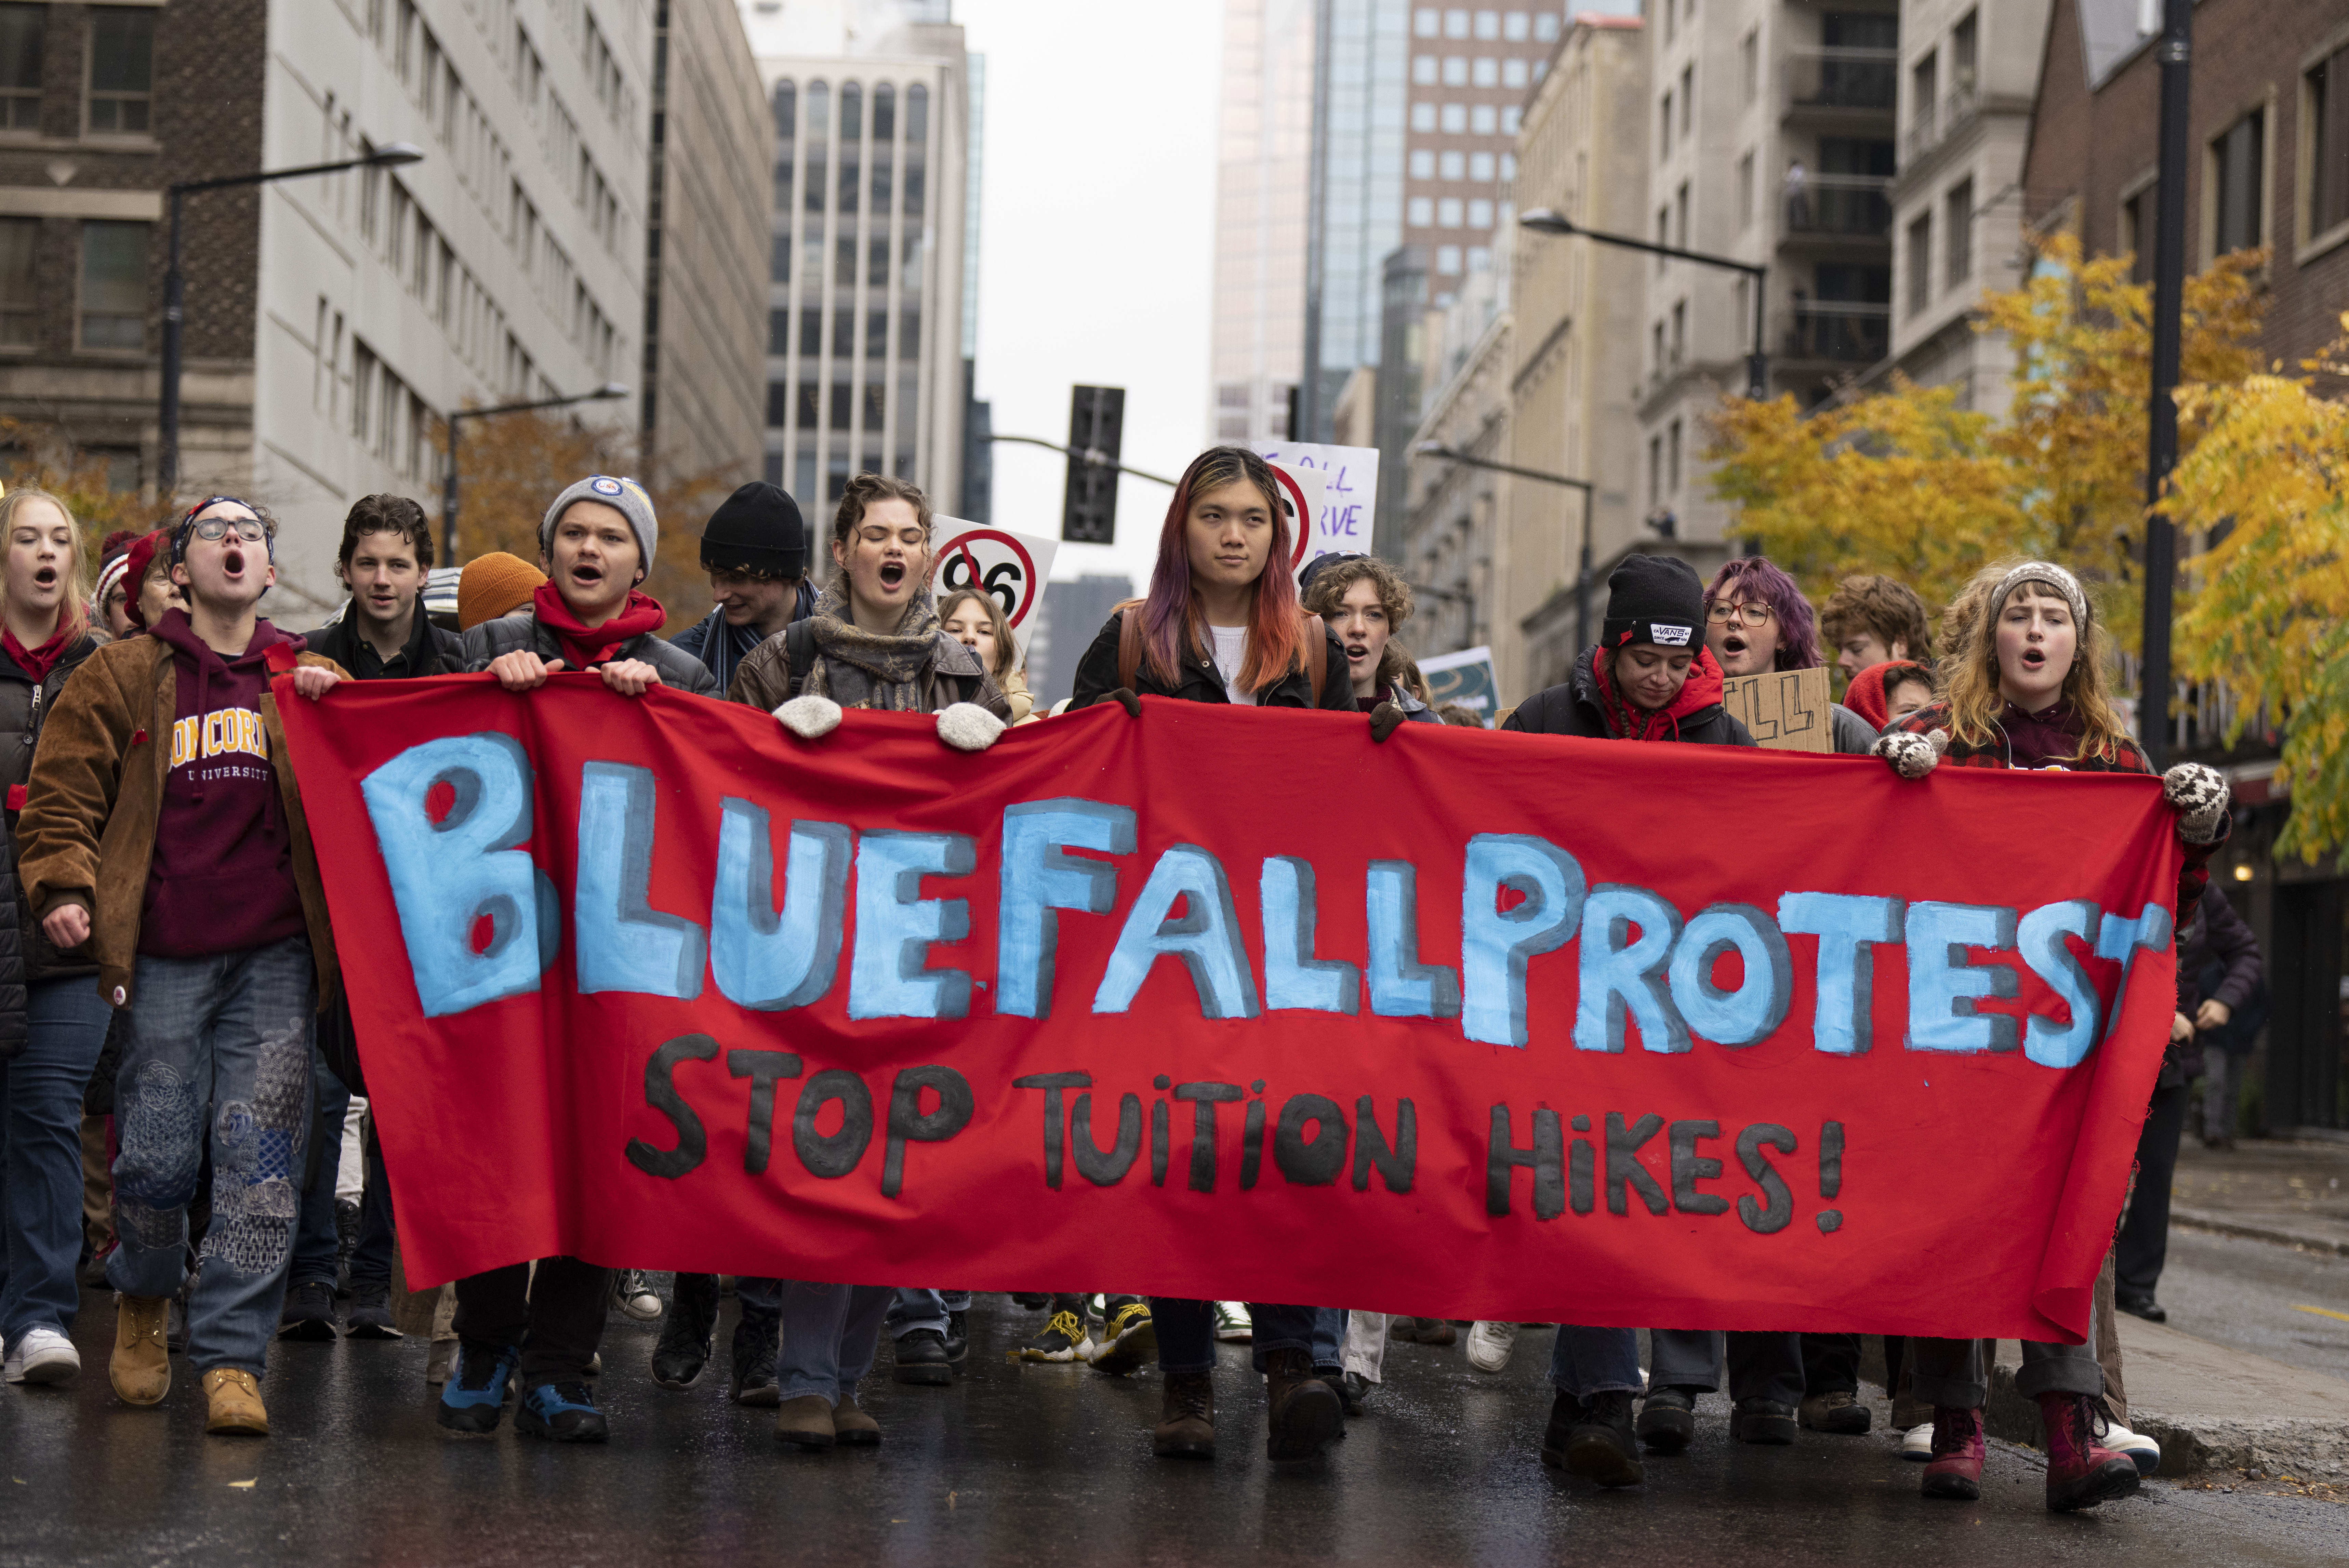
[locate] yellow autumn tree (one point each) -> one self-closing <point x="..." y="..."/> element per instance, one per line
<point x="1904" y="482"/>
<point x="45" y="457"/>
<point x="2266" y="487"/>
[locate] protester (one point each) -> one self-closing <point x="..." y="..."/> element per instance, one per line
<point x="755" y="549"/>
<point x="1364" y="600"/>
<point x="2216" y="942"/>
<point x="597" y="543"/>
<point x="1883" y="694"/>
<point x="111" y="600"/>
<point x="149" y="586"/>
<point x="2228" y="1019"/>
<point x="2025" y="685"/>
<point x="52" y="1019"/>
<point x="1651" y="677"/>
<point x="1870" y="619"/>
<point x="974" y="619"/>
<point x="1222" y="624"/>
<point x="875" y="641"/>
<point x="1757" y="621"/>
<point x="189" y="861"/>
<point x="383" y="634"/>
<point x="493" y="585"/>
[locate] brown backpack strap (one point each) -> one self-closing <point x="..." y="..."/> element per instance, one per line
<point x="1316" y="655"/>
<point x="1129" y="644"/>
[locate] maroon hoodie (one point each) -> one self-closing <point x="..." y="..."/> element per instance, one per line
<point x="221" y="879"/>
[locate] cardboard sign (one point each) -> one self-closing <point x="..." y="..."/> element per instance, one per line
<point x="1349" y="484"/>
<point x="1785" y="710"/>
<point x="1467" y="677"/>
<point x="1009" y="568"/>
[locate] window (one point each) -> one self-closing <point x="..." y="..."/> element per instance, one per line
<point x="1422" y="165"/>
<point x="114" y="285"/>
<point x="1486" y="72"/>
<point x="1480" y="258"/>
<point x="1672" y="450"/>
<point x="1480" y="167"/>
<point x="1687" y="99"/>
<point x="1447" y="213"/>
<point x="1958" y="234"/>
<point x="843" y="405"/>
<point x="1920" y="263"/>
<point x="1456" y="24"/>
<point x="1235" y="394"/>
<point x="779" y="403"/>
<point x="1480" y="214"/>
<point x="778" y="341"/>
<point x="1965" y="44"/>
<point x="1455" y="120"/>
<point x="1749" y="66"/>
<point x="1745" y="192"/>
<point x="1680" y="332"/>
<point x="2138" y="215"/>
<point x="1426" y="21"/>
<point x="19" y="238"/>
<point x="1420" y="213"/>
<point x="1482" y="120"/>
<point x="2326" y="95"/>
<point x="1508" y="165"/>
<point x="1664" y="126"/>
<point x="21" y="27"/>
<point x="810" y="402"/>
<point x="1455" y="71"/>
<point x="1488" y="25"/>
<point x="1422" y="117"/>
<point x="122" y="69"/>
<point x="1655" y="469"/>
<point x="1423" y="70"/>
<point x="1513" y="73"/>
<point x="1546" y="27"/>
<point x="2236" y="159"/>
<point x="1924" y="89"/>
<point x="1447" y="261"/>
<point x="1511" y="118"/>
<point x="1656" y="347"/>
<point x="1512" y="26"/>
<point x="811" y="331"/>
<point x="1680" y="212"/>
<point x="1453" y="164"/>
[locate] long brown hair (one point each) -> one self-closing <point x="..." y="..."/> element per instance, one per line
<point x="1173" y="621"/>
<point x="73" y="614"/>
<point x="1007" y="652"/>
<point x="1968" y="672"/>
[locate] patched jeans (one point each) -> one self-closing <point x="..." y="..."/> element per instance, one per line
<point x="219" y="1051"/>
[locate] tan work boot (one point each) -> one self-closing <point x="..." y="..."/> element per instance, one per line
<point x="1186" y="1425"/>
<point x="236" y="1397"/>
<point x="853" y="1425"/>
<point x="805" y="1422"/>
<point x="141" y="1368"/>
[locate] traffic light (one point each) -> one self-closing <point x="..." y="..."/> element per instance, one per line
<point x="1088" y="510"/>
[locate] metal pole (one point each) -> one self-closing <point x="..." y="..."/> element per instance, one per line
<point x="449" y="496"/>
<point x="2174" y="53"/>
<point x="1757" y="364"/>
<point x="167" y="432"/>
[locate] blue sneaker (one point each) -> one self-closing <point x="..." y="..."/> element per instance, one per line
<point x="475" y="1399"/>
<point x="562" y="1411"/>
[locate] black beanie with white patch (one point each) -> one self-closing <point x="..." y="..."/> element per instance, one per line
<point x="1655" y="599"/>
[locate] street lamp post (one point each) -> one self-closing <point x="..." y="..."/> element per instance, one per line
<point x="167" y="440"/>
<point x="2174" y="53"/>
<point x="1582" y="563"/>
<point x="457" y="416"/>
<point x="1547" y="221"/>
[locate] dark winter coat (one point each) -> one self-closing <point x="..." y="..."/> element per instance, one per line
<point x="431" y="650"/>
<point x="723" y="648"/>
<point x="521" y="631"/>
<point x="1576" y="706"/>
<point x="2219" y="961"/>
<point x="1200" y="681"/>
<point x="27" y="956"/>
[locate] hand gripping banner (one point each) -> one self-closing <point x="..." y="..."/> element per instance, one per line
<point x="1229" y="1003"/>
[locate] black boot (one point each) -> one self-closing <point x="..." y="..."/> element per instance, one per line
<point x="1303" y="1416"/>
<point x="756" y="1337"/>
<point x="689" y="1333"/>
<point x="1668" y="1420"/>
<point x="1600" y="1444"/>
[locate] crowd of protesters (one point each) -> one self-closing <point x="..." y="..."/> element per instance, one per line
<point x="183" y="1106"/>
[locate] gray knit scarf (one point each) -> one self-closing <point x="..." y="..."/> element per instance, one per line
<point x="893" y="671"/>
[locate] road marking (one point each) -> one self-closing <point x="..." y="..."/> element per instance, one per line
<point x="2324" y="1312"/>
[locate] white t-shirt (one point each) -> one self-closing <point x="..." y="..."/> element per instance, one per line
<point x="1231" y="653"/>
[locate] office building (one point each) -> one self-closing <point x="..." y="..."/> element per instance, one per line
<point x="1354" y="193"/>
<point x="1470" y="73"/>
<point x="1263" y="156"/>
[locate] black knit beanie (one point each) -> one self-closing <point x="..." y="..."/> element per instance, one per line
<point x="756" y="528"/>
<point x="1654" y="599"/>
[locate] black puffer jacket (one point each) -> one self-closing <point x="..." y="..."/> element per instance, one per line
<point x="431" y="650"/>
<point x="511" y="633"/>
<point x="1574" y="707"/>
<point x="1202" y="682"/>
<point x="27" y="957"/>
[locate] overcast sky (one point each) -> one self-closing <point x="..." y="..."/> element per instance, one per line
<point x="1097" y="246"/>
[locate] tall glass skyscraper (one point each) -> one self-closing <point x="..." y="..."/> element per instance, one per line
<point x="1355" y="202"/>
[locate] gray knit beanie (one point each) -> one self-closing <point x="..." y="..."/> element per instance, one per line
<point x="626" y="496"/>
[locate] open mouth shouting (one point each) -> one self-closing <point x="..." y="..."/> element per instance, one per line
<point x="1732" y="645"/>
<point x="232" y="563"/>
<point x="2035" y="660"/>
<point x="892" y="576"/>
<point x="44" y="577"/>
<point x="1356" y="653"/>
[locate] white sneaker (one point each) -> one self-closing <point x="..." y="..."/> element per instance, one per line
<point x="1917" y="1443"/>
<point x="1489" y="1345"/>
<point x="2142" y="1450"/>
<point x="45" y="1355"/>
<point x="636" y="1295"/>
<point x="1233" y="1325"/>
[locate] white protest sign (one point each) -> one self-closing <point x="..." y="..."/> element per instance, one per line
<point x="1302" y="498"/>
<point x="1466" y="677"/>
<point x="1349" y="487"/>
<point x="1009" y="568"/>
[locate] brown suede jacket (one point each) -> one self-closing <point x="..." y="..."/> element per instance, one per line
<point x="87" y="830"/>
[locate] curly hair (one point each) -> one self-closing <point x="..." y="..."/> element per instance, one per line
<point x="387" y="513"/>
<point x="1886" y="609"/>
<point x="1757" y="577"/>
<point x="1332" y="584"/>
<point x="1968" y="672"/>
<point x="864" y="491"/>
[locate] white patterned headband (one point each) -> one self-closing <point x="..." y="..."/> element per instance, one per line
<point x="2046" y="574"/>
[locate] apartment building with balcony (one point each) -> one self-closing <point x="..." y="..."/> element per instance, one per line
<point x="1771" y="141"/>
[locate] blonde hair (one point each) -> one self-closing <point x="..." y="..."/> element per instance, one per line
<point x="1007" y="652"/>
<point x="1968" y="671"/>
<point x="74" y="612"/>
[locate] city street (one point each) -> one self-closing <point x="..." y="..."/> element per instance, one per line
<point x="1052" y="1464"/>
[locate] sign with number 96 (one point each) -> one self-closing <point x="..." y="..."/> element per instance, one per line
<point x="1009" y="568"/>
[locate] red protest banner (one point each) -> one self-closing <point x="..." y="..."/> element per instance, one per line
<point x="1227" y="1003"/>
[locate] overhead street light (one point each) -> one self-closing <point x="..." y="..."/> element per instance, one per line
<point x="1547" y="221"/>
<point x="455" y="416"/>
<point x="390" y="155"/>
<point x="1092" y="455"/>
<point x="1582" y="563"/>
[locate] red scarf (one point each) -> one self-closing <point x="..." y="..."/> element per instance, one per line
<point x="1627" y="721"/>
<point x="38" y="662"/>
<point x="585" y="648"/>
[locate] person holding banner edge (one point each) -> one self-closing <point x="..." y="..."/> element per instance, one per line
<point x="1222" y="623"/>
<point x="2024" y="686"/>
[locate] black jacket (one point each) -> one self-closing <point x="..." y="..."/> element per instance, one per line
<point x="1202" y="682"/>
<point x="509" y="634"/>
<point x="27" y="957"/>
<point x="431" y="650"/>
<point x="2218" y="960"/>
<point x="1575" y="708"/>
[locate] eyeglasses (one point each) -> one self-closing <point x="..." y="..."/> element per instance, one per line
<point x="1754" y="612"/>
<point x="252" y="530"/>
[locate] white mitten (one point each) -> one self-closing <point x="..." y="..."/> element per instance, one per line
<point x="2200" y="795"/>
<point x="967" y="727"/>
<point x="1912" y="756"/>
<point x="811" y="717"/>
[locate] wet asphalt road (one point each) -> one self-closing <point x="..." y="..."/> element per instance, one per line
<point x="2255" y="1295"/>
<point x="1013" y="1464"/>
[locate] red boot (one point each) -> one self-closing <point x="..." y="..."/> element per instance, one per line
<point x="2080" y="1474"/>
<point x="1955" y="1469"/>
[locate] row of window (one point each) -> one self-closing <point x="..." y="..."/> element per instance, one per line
<point x="1476" y="71"/>
<point x="1451" y="212"/>
<point x="1482" y="168"/>
<point x="1467" y="120"/>
<point x="843" y="459"/>
<point x="118" y="66"/>
<point x="1515" y="26"/>
<point x="847" y="184"/>
<point x="1957" y="246"/>
<point x="845" y="344"/>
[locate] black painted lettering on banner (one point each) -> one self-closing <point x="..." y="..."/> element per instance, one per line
<point x="1579" y="1173"/>
<point x="1252" y="1141"/>
<point x="1830" y="1160"/>
<point x="1623" y="1167"/>
<point x="763" y="1068"/>
<point x="1759" y="1219"/>
<point x="1105" y="1166"/>
<point x="1052" y="1084"/>
<point x="1158" y="1139"/>
<point x="1206" y="1097"/>
<point x="1689" y="1167"/>
<point x="660" y="1093"/>
<point x="1395" y="1161"/>
<point x="1315" y="1161"/>
<point x="909" y="1123"/>
<point x="833" y="1156"/>
<point x="1545" y="1157"/>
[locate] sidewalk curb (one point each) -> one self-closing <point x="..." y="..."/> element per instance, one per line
<point x="2202" y="1220"/>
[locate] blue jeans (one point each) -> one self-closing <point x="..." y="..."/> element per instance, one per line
<point x="219" y="1058"/>
<point x="316" y="1243"/>
<point x="1187" y="1332"/>
<point x="911" y="1310"/>
<point x="831" y="1334"/>
<point x="1328" y="1337"/>
<point x="1587" y="1361"/>
<point x="40" y="1180"/>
